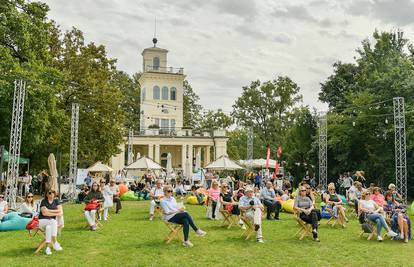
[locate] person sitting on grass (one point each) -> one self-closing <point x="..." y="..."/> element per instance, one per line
<point x="156" y="194"/>
<point x="307" y="212"/>
<point x="176" y="214"/>
<point x="400" y="221"/>
<point x="179" y="188"/>
<point x="94" y="197"/>
<point x="28" y="208"/>
<point x="374" y="213"/>
<point x="268" y="197"/>
<point x="253" y="211"/>
<point x="196" y="192"/>
<point x="395" y="195"/>
<point x="377" y="196"/>
<point x="4" y="207"/>
<point x="50" y="209"/>
<point x="213" y="199"/>
<point x="334" y="202"/>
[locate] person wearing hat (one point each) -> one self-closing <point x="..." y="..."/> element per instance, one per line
<point x="395" y="195"/>
<point x="253" y="210"/>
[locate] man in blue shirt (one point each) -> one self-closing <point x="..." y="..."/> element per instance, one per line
<point x="253" y="211"/>
<point x="88" y="180"/>
<point x="258" y="180"/>
<point x="268" y="195"/>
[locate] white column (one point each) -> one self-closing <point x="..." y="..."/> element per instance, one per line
<point x="206" y="155"/>
<point x="190" y="159"/>
<point x="157" y="154"/>
<point x="184" y="159"/>
<point x="220" y="147"/>
<point x="151" y="151"/>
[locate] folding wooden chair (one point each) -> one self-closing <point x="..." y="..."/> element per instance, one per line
<point x="304" y="228"/>
<point x="174" y="233"/>
<point x="249" y="231"/>
<point x="369" y="235"/>
<point x="40" y="232"/>
<point x="335" y="221"/>
<point x="157" y="212"/>
<point x="229" y="219"/>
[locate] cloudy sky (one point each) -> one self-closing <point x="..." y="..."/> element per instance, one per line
<point x="224" y="44"/>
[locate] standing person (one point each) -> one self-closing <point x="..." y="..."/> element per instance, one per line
<point x="94" y="196"/>
<point x="156" y="195"/>
<point x="258" y="180"/>
<point x="50" y="209"/>
<point x="213" y="198"/>
<point x="354" y="194"/>
<point x="27" y="180"/>
<point x="108" y="196"/>
<point x="268" y="195"/>
<point x="347" y="183"/>
<point x="88" y="180"/>
<point x="115" y="193"/>
<point x="175" y="214"/>
<point x="253" y="210"/>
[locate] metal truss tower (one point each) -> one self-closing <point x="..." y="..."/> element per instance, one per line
<point x="15" y="141"/>
<point x="73" y="164"/>
<point x="323" y="155"/>
<point x="400" y="147"/>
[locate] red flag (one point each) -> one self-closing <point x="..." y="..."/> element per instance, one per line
<point x="267" y="157"/>
<point x="277" y="167"/>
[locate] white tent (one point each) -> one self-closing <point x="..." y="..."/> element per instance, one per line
<point x="144" y="163"/>
<point x="100" y="167"/>
<point x="223" y="163"/>
<point x="259" y="163"/>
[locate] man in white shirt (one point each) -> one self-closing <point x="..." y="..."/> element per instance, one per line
<point x="156" y="194"/>
<point x="115" y="193"/>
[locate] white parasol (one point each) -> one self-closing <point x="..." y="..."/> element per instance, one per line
<point x="223" y="163"/>
<point x="52" y="182"/>
<point x="144" y="163"/>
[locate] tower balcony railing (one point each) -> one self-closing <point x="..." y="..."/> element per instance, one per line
<point x="171" y="70"/>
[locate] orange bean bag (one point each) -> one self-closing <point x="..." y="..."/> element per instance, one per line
<point x="122" y="189"/>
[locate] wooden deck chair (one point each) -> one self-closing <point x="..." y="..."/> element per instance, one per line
<point x="249" y="231"/>
<point x="158" y="211"/>
<point x="371" y="234"/>
<point x="174" y="233"/>
<point x="40" y="232"/>
<point x="229" y="219"/>
<point x="304" y="228"/>
<point x="335" y="221"/>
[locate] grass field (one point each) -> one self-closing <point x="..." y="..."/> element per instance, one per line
<point x="130" y="239"/>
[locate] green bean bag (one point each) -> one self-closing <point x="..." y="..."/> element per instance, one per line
<point x="343" y="199"/>
<point x="129" y="196"/>
<point x="13" y="222"/>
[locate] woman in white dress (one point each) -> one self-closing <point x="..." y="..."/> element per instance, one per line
<point x="108" y="200"/>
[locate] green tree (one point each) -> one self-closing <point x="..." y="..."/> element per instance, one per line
<point x="191" y="107"/>
<point x="215" y="120"/>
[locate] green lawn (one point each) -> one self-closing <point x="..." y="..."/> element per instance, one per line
<point x="130" y="239"/>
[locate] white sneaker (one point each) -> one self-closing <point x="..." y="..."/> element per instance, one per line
<point x="379" y="238"/>
<point x="243" y="227"/>
<point x="200" y="232"/>
<point x="391" y="233"/>
<point x="260" y="240"/>
<point x="57" y="246"/>
<point x="151" y="218"/>
<point x="188" y="244"/>
<point x="48" y="251"/>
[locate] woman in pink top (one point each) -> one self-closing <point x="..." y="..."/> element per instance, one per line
<point x="378" y="197"/>
<point x="214" y="197"/>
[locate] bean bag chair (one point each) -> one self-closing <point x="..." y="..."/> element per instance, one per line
<point x="288" y="205"/>
<point x="129" y="196"/>
<point x="343" y="199"/>
<point x="122" y="189"/>
<point x="192" y="200"/>
<point x="13" y="222"/>
<point x="324" y="213"/>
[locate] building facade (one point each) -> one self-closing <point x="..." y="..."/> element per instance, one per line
<point x="162" y="129"/>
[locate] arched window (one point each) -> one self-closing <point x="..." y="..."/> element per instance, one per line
<point x="173" y="93"/>
<point x="156" y="92"/>
<point x="164" y="93"/>
<point x="156" y="63"/>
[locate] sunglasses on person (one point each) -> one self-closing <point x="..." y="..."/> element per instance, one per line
<point x="1" y="196"/>
<point x="303" y="190"/>
<point x="50" y="193"/>
<point x="169" y="191"/>
<point x="29" y="196"/>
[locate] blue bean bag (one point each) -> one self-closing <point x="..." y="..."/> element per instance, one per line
<point x="13" y="222"/>
<point x="324" y="213"/>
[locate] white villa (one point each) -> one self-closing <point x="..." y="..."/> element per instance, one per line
<point x="161" y="123"/>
